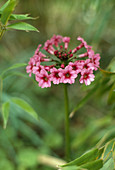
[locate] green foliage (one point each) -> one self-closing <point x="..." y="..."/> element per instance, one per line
<point x="94" y="159"/>
<point x="25" y="106"/>
<point x="6" y="15"/>
<point x="7" y="10"/>
<point x="18" y="65"/>
<point x="5" y="112"/>
<point x="93" y="119"/>
<point x="88" y="156"/>
<point x="22" y="26"/>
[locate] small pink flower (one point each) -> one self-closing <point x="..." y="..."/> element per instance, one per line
<point x="55" y="75"/>
<point x="87" y="64"/>
<point x="48" y="46"/>
<point x="68" y="75"/>
<point x="62" y="66"/>
<point x="83" y="55"/>
<point x="66" y="40"/>
<point x="76" y="66"/>
<point x="29" y="68"/>
<point x="87" y="77"/>
<point x="43" y="78"/>
<point x="84" y="43"/>
<point x="95" y="59"/>
<point x="56" y="39"/>
<point x="37" y="68"/>
<point x="37" y="50"/>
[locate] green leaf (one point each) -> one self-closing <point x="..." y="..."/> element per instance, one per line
<point x="109" y="147"/>
<point x="28" y="157"/>
<point x="21" y="17"/>
<point x="109" y="165"/>
<point x="86" y="157"/>
<point x="4" y="6"/>
<point x="12" y="73"/>
<point x="25" y="106"/>
<point x="5" y="113"/>
<point x="73" y="168"/>
<point x="8" y="9"/>
<point x="22" y="26"/>
<point x="94" y="165"/>
<point x="18" y="65"/>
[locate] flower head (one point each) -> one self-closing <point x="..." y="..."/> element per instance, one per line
<point x="66" y="63"/>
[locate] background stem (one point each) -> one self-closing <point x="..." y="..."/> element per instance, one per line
<point x="67" y="133"/>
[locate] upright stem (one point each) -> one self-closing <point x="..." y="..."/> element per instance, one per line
<point x="67" y="133"/>
<point x="1" y="88"/>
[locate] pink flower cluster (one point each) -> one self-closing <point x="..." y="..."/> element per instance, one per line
<point x="61" y="65"/>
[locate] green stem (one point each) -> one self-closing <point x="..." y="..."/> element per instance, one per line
<point x="67" y="133"/>
<point x="1" y="89"/>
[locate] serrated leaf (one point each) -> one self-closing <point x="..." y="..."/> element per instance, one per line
<point x="8" y="9"/>
<point x="5" y="113"/>
<point x="25" y="106"/>
<point x="86" y="157"/>
<point x="94" y="165"/>
<point x="18" y="65"/>
<point x="22" y="26"/>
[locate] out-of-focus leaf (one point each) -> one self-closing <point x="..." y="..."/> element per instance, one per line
<point x="8" y="9"/>
<point x="22" y="26"/>
<point x="20" y="17"/>
<point x="94" y="165"/>
<point x="9" y="74"/>
<point x="86" y="157"/>
<point x="92" y="128"/>
<point x="25" y="106"/>
<point x="111" y="98"/>
<point x="84" y="100"/>
<point x="5" y="164"/>
<point x="5" y="112"/>
<point x="28" y="157"/>
<point x="18" y="65"/>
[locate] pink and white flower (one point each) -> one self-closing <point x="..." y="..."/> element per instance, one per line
<point x="94" y="58"/>
<point x="29" y="68"/>
<point x="87" y="77"/>
<point x="55" y="77"/>
<point x="68" y="75"/>
<point x="84" y="43"/>
<point x="76" y="66"/>
<point x="87" y="64"/>
<point x="62" y="70"/>
<point x="66" y="40"/>
<point x="56" y="39"/>
<point x="43" y="78"/>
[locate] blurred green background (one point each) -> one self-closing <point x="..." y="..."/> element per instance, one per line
<point x="25" y="140"/>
